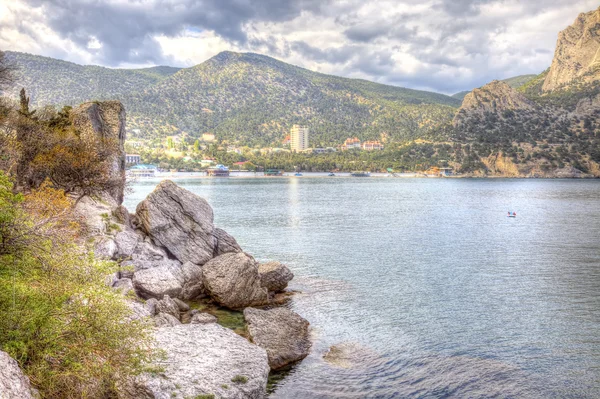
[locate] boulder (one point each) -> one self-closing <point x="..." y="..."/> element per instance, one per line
<point x="126" y="241"/>
<point x="168" y="306"/>
<point x="203" y="359"/>
<point x="157" y="282"/>
<point x="192" y="286"/>
<point x="151" y="306"/>
<point x="203" y="318"/>
<point x="178" y="220"/>
<point x="105" y="249"/>
<point x="147" y="255"/>
<point x="275" y="276"/>
<point x="166" y="320"/>
<point x="125" y="285"/>
<point x="225" y="243"/>
<point x="233" y="281"/>
<point x="139" y="311"/>
<point x="283" y="334"/>
<point x="13" y="383"/>
<point x="183" y="307"/>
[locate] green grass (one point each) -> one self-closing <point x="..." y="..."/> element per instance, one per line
<point x="240" y="379"/>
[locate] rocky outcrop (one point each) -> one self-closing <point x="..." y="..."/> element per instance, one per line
<point x="13" y="383"/>
<point x="225" y="243"/>
<point x="577" y="53"/>
<point x="178" y="220"/>
<point x="156" y="282"/>
<point x="203" y="359"/>
<point x="274" y="276"/>
<point x="103" y="121"/>
<point x="233" y="281"/>
<point x="203" y="318"/>
<point x="283" y="333"/>
<point x="496" y="97"/>
<point x="168" y="306"/>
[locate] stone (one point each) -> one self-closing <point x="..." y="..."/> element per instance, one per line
<point x="183" y="307"/>
<point x="168" y="306"/>
<point x="166" y="320"/>
<point x="151" y="306"/>
<point x="203" y="318"/>
<point x="350" y="355"/>
<point x="147" y="255"/>
<point x="125" y="285"/>
<point x="122" y="215"/>
<point x="157" y="282"/>
<point x="105" y="248"/>
<point x="275" y="276"/>
<point x="13" y="383"/>
<point x="94" y="214"/>
<point x="233" y="281"/>
<point x="202" y="359"/>
<point x="179" y="220"/>
<point x="192" y="286"/>
<point x="283" y="334"/>
<point x="225" y="242"/>
<point x="138" y="311"/>
<point x="126" y="242"/>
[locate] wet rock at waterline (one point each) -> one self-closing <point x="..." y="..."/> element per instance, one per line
<point x="283" y="333"/>
<point x="203" y="359"/>
<point x="233" y="281"/>
<point x="275" y="276"/>
<point x="225" y="243"/>
<point x="178" y="220"/>
<point x="203" y="318"/>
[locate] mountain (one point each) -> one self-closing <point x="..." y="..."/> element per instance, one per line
<point x="577" y="55"/>
<point x="242" y="97"/>
<point x="513" y="82"/>
<point x="548" y="126"/>
<point x="52" y="81"/>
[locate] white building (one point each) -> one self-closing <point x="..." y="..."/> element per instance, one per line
<point x="132" y="158"/>
<point x="299" y="138"/>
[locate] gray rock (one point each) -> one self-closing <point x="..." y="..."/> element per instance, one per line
<point x="202" y="359"/>
<point x="147" y="255"/>
<point x="183" y="307"/>
<point x="203" y="318"/>
<point x="157" y="282"/>
<point x="168" y="306"/>
<point x="283" y="333"/>
<point x="151" y="306"/>
<point x="122" y="215"/>
<point x="275" y="276"/>
<point x="125" y="285"/>
<point x="178" y="220"/>
<point x="233" y="281"/>
<point x="13" y="383"/>
<point x="225" y="242"/>
<point x="105" y="248"/>
<point x="94" y="214"/>
<point x="126" y="242"/>
<point x="192" y="286"/>
<point x="166" y="320"/>
<point x="138" y="311"/>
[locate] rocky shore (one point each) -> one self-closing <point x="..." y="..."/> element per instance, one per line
<point x="175" y="267"/>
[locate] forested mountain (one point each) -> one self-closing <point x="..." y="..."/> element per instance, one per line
<point x="56" y="82"/>
<point x="513" y="82"/>
<point x="246" y="98"/>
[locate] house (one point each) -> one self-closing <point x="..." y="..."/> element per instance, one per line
<point x="372" y="145"/>
<point x="132" y="159"/>
<point x="351" y="144"/>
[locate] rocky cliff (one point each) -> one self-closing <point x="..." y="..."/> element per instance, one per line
<point x="577" y="52"/>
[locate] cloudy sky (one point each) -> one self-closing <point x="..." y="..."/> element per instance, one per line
<point x="440" y="45"/>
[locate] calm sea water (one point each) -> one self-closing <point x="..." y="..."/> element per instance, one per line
<point x="439" y="294"/>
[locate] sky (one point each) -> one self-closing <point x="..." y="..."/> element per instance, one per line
<point x="439" y="45"/>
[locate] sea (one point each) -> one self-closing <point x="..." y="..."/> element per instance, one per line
<point x="423" y="287"/>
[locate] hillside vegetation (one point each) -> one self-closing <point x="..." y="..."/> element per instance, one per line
<point x="246" y="98"/>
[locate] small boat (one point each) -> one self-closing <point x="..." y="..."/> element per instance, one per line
<point x="298" y="174"/>
<point x="512" y="214"/>
<point x="331" y="174"/>
<point x="360" y="174"/>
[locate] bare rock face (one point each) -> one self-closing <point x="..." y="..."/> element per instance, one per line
<point x="203" y="318"/>
<point x="577" y="52"/>
<point x="157" y="282"/>
<point x="166" y="320"/>
<point x="168" y="306"/>
<point x="104" y="120"/>
<point x="13" y="383"/>
<point x="225" y="242"/>
<point x="283" y="333"/>
<point x="178" y="220"/>
<point x="233" y="281"/>
<point x="275" y="276"/>
<point x="495" y="97"/>
<point x="203" y="359"/>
